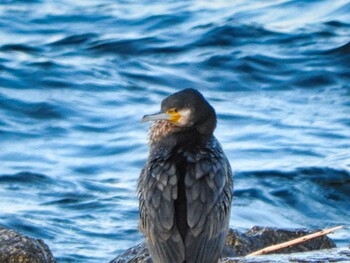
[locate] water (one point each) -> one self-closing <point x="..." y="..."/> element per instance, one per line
<point x="77" y="76"/>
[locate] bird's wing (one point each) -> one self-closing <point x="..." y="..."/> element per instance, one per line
<point x="209" y="186"/>
<point x="157" y="190"/>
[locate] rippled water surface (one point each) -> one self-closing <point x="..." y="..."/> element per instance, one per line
<point x="77" y="76"/>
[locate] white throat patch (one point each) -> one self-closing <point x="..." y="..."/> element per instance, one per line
<point x="184" y="119"/>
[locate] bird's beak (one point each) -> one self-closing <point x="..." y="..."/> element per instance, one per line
<point x="168" y="116"/>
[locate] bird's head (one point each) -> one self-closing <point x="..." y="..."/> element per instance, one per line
<point x="186" y="109"/>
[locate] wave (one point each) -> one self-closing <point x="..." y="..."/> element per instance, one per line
<point x="305" y="189"/>
<point x="25" y="178"/>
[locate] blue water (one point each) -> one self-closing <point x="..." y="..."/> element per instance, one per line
<point x="77" y="76"/>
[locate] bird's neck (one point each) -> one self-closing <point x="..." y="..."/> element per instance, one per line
<point x="170" y="135"/>
<point x="161" y="129"/>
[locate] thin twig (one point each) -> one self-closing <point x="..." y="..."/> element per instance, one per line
<point x="294" y="241"/>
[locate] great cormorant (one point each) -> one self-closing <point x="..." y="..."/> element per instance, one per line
<point x="185" y="188"/>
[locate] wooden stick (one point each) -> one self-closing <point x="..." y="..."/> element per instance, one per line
<point x="294" y="241"/>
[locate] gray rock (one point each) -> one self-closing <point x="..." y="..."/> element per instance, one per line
<point x="239" y="245"/>
<point x="137" y="254"/>
<point x="18" y="248"/>
<point x="316" y="256"/>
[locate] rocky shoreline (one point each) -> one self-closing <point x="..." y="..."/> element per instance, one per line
<point x="18" y="248"/>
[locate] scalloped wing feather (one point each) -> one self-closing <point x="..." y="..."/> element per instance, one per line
<point x="157" y="211"/>
<point x="209" y="196"/>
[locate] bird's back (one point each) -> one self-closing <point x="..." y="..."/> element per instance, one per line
<point x="185" y="198"/>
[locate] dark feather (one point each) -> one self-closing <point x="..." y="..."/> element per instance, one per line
<point x="205" y="190"/>
<point x="156" y="198"/>
<point x="169" y="251"/>
<point x="157" y="211"/>
<point x="208" y="211"/>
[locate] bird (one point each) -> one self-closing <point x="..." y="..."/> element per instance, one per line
<point x="185" y="189"/>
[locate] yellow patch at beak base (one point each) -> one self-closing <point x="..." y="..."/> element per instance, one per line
<point x="174" y="116"/>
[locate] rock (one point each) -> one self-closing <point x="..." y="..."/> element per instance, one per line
<point x="240" y="244"/>
<point x="18" y="248"/>
<point x="318" y="256"/>
<point x="137" y="254"/>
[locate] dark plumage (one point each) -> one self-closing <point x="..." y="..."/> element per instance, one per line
<point x="185" y="188"/>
